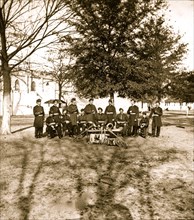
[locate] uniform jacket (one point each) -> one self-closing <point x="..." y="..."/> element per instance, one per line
<point x="65" y="119"/>
<point x="101" y="118"/>
<point x="38" y="112"/>
<point x="90" y="111"/>
<point x="110" y="112"/>
<point x="56" y="113"/>
<point x="144" y="121"/>
<point x="82" y="119"/>
<point x="50" y="121"/>
<point x="133" y="113"/>
<point x="156" y="114"/>
<point x="73" y="111"/>
<point x="122" y="117"/>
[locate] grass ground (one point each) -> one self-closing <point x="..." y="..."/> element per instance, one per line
<point x="58" y="179"/>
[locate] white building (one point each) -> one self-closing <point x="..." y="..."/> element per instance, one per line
<point x="25" y="89"/>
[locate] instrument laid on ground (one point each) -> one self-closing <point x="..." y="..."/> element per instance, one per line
<point x="98" y="138"/>
<point x="107" y="135"/>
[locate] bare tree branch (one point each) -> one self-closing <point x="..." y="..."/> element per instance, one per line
<point x="40" y="30"/>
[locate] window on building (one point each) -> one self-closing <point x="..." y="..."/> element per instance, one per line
<point x="17" y="85"/>
<point x="33" y="86"/>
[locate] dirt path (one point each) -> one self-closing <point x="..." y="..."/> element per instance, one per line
<point x="65" y="179"/>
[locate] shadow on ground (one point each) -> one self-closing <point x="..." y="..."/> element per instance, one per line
<point x="70" y="179"/>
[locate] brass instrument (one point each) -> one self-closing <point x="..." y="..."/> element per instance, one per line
<point x="109" y="126"/>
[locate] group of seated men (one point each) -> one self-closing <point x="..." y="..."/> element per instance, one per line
<point x="72" y="122"/>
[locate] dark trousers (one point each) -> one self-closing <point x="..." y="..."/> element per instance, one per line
<point x="74" y="130"/>
<point x="59" y="131"/>
<point x="156" y="131"/>
<point x="132" y="130"/>
<point x="51" y="131"/>
<point x="143" y="132"/>
<point x="67" y="128"/>
<point x="38" y="132"/>
<point x="54" y="131"/>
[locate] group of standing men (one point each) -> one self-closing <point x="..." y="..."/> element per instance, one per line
<point x="72" y="122"/>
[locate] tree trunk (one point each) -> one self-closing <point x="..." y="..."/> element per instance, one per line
<point x="6" y="71"/>
<point x="6" y="120"/>
<point x="60" y="93"/>
<point x="112" y="96"/>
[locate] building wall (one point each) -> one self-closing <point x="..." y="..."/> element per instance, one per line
<point x="26" y="90"/>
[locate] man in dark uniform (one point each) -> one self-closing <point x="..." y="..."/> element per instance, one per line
<point x="51" y="126"/>
<point x="66" y="122"/>
<point x="133" y="113"/>
<point x="143" y="125"/>
<point x="110" y="112"/>
<point x="73" y="112"/>
<point x="82" y="121"/>
<point x="101" y="119"/>
<point x="38" y="112"/>
<point x="121" y="121"/>
<point x="56" y="114"/>
<point x="55" y="111"/>
<point x="90" y="112"/>
<point x="156" y="114"/>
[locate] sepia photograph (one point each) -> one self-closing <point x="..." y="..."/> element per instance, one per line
<point x="96" y="109"/>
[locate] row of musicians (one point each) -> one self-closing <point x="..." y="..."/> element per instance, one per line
<point x="90" y="115"/>
<point x="77" y="123"/>
<point x="90" y="112"/>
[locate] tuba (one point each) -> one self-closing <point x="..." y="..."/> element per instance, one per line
<point x="109" y="126"/>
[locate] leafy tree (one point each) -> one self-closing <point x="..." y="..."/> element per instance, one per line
<point x="181" y="87"/>
<point x="161" y="52"/>
<point x="122" y="46"/>
<point x="25" y="27"/>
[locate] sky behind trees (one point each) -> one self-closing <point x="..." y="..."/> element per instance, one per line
<point x="181" y="15"/>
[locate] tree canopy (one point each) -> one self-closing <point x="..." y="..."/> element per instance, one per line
<point x="122" y="46"/>
<point x="181" y="86"/>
